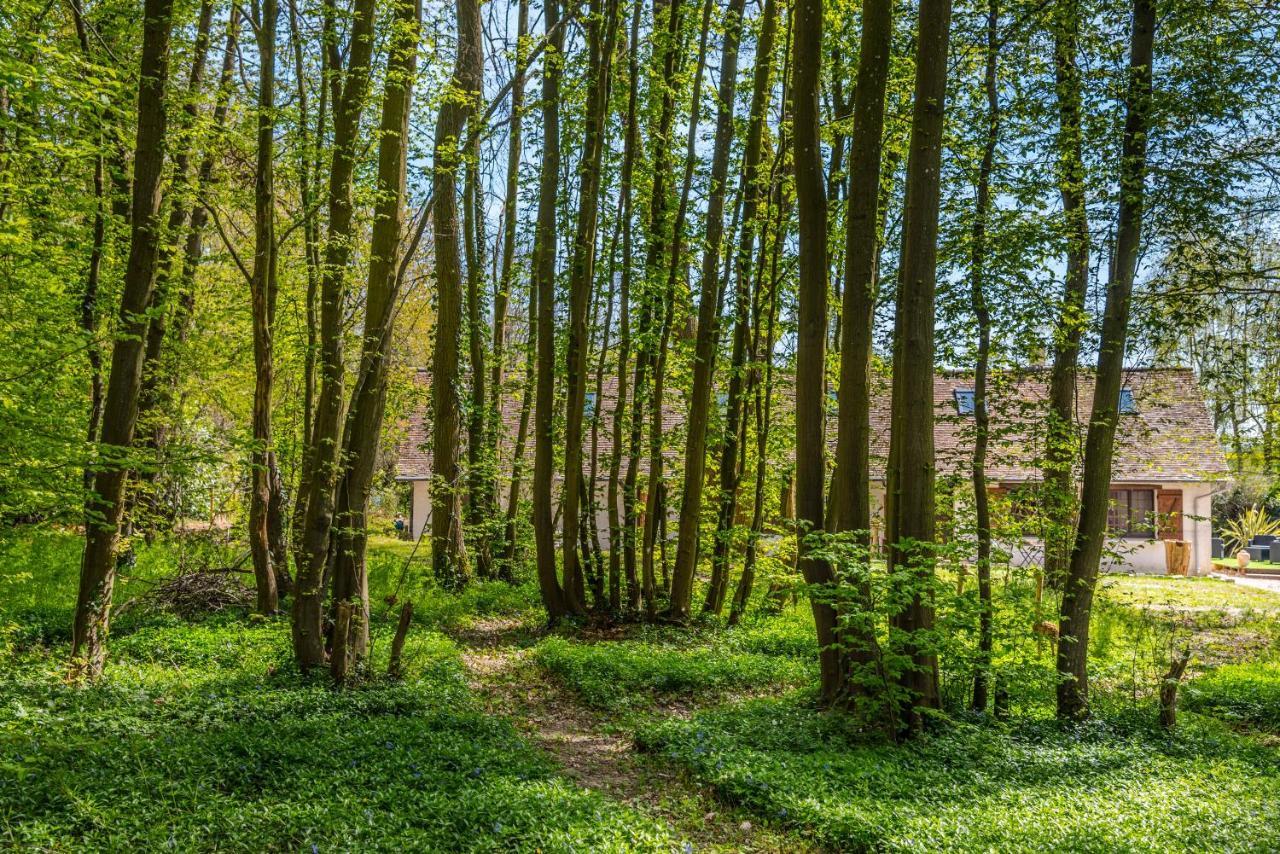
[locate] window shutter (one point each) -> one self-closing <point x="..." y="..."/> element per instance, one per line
<point x="1169" y="506"/>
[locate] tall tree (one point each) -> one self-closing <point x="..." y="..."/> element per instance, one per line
<point x="321" y="462"/>
<point x="368" y="397"/>
<point x="554" y="597"/>
<point x="909" y="493"/>
<point x="1061" y="438"/>
<point x="708" y="334"/>
<point x="263" y="288"/>
<point x="851" y="483"/>
<point x="1082" y="573"/>
<point x="120" y="405"/>
<point x="602" y="28"/>
<point x="811" y="340"/>
<point x="754" y="191"/>
<point x="502" y="295"/>
<point x="448" y="556"/>
<point x="982" y="313"/>
<point x="619" y="536"/>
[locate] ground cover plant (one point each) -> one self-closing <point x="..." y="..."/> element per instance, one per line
<point x="204" y="736"/>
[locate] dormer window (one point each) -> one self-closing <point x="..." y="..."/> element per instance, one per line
<point x="1126" y="406"/>
<point x="964" y="401"/>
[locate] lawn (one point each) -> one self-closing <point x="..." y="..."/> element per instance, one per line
<point x="505" y="737"/>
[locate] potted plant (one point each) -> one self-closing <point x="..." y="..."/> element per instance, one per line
<point x="1238" y="533"/>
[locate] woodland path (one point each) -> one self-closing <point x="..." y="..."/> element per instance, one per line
<point x="593" y="748"/>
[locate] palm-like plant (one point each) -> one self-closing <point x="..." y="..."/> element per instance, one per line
<point x="1254" y="522"/>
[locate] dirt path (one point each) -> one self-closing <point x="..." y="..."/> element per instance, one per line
<point x="590" y="748"/>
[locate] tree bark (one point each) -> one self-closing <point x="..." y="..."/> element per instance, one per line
<point x="621" y="527"/>
<point x="753" y="191"/>
<point x="708" y="336"/>
<point x="369" y="396"/>
<point x="262" y="290"/>
<point x="811" y="340"/>
<point x="448" y="555"/>
<point x="1062" y="435"/>
<point x="502" y="293"/>
<point x="909" y="495"/>
<point x="120" y="406"/>
<point x="1082" y="573"/>
<point x="554" y="597"/>
<point x="321" y="462"/>
<point x="982" y="313"/>
<point x="601" y="31"/>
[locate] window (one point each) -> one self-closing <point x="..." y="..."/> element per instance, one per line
<point x="1125" y="405"/>
<point x="964" y="400"/>
<point x="1132" y="513"/>
<point x="589" y="405"/>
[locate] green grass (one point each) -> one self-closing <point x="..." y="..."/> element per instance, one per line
<point x="617" y="674"/>
<point x="204" y="736"/>
<point x="1112" y="785"/>
<point x="1242" y="693"/>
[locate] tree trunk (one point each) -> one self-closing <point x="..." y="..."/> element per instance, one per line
<point x="120" y="406"/>
<point x="708" y="339"/>
<point x="601" y="32"/>
<point x="668" y="48"/>
<point x="321" y="462"/>
<point x="262" y="290"/>
<point x="851" y="482"/>
<point x="1062" y="434"/>
<point x="448" y="556"/>
<point x="618" y="533"/>
<point x="554" y="597"/>
<point x="909" y="495"/>
<point x="1082" y="573"/>
<point x="982" y="313"/>
<point x="754" y="189"/>
<point x="502" y="294"/>
<point x="811" y="339"/>
<point x="481" y="465"/>
<point x="368" y="398"/>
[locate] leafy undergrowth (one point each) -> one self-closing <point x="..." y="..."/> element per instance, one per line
<point x="1111" y="785"/>
<point x="205" y="737"/>
<point x="1240" y="693"/>
<point x="669" y="663"/>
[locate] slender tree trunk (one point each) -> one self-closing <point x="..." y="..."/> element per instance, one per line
<point x="554" y="597"/>
<point x="321" y="463"/>
<point x="619" y="536"/>
<point x="601" y="32"/>
<point x="667" y="56"/>
<point x="120" y="406"/>
<point x="1062" y="433"/>
<point x="502" y="294"/>
<point x="448" y="556"/>
<point x="262" y="290"/>
<point x="982" y="313"/>
<point x="481" y="465"/>
<point x="762" y="392"/>
<point x="754" y="190"/>
<point x="708" y="336"/>
<point x="811" y="338"/>
<point x="909" y="495"/>
<point x="1082" y="574"/>
<point x="851" y="482"/>
<point x="368" y="398"/>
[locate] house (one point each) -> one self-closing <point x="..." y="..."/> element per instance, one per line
<point x="1168" y="461"/>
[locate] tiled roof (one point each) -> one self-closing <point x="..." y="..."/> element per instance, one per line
<point x="414" y="462"/>
<point x="1169" y="436"/>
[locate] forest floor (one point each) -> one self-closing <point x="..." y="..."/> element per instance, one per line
<point x="506" y="736"/>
